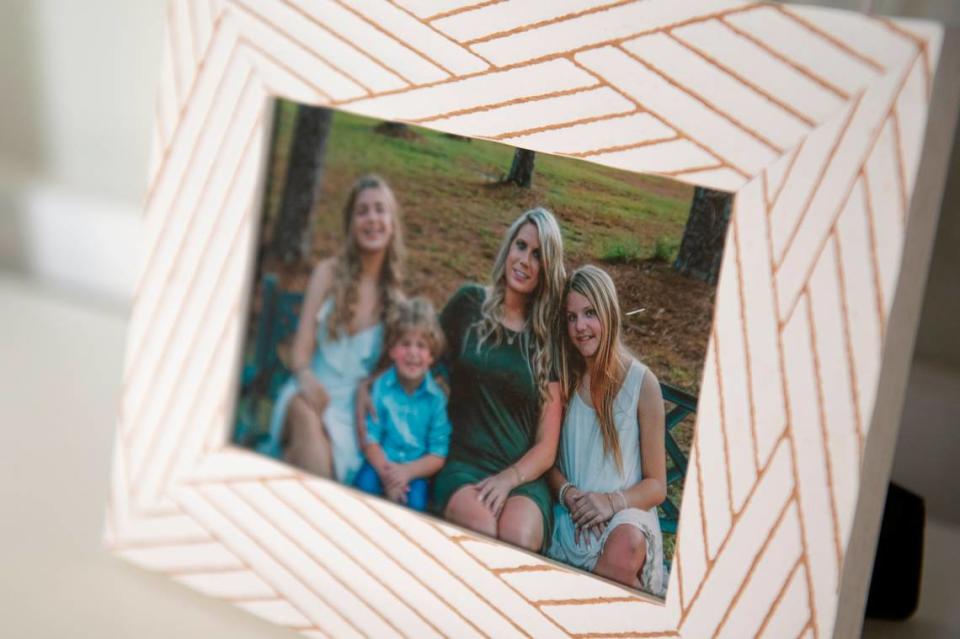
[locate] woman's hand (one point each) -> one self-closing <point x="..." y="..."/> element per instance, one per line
<point x="494" y="490"/>
<point x="584" y="535"/>
<point x="572" y="498"/>
<point x="591" y="509"/>
<point x="313" y="391"/>
<point x="569" y="498"/>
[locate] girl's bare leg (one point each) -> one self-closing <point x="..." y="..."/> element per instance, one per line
<point x="308" y="446"/>
<point x="521" y="523"/>
<point x="623" y="556"/>
<point x="465" y="509"/>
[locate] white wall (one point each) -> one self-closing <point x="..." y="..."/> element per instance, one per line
<point x="77" y="80"/>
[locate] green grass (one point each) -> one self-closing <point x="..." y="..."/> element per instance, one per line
<point x="665" y="249"/>
<point x="620" y="250"/>
<point x="437" y="171"/>
<point x="627" y="250"/>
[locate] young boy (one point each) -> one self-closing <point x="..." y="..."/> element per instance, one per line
<point x="408" y="441"/>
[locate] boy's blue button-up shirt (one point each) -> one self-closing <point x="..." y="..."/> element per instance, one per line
<point x="409" y="426"/>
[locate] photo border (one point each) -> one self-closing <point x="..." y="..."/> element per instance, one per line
<point x="824" y="219"/>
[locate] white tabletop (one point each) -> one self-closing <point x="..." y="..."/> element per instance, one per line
<point x="60" y="374"/>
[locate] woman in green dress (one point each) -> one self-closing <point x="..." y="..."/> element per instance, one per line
<point x="505" y="403"/>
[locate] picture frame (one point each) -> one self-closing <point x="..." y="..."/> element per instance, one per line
<point x="833" y="130"/>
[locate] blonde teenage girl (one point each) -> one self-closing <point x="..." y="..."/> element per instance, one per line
<point x="611" y="471"/>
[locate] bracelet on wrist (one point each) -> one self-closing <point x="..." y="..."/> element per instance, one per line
<point x="624" y="499"/>
<point x="613" y="507"/>
<point x="563" y="489"/>
<point x="570" y="487"/>
<point x="520" y="477"/>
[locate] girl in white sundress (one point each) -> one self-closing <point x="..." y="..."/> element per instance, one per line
<point x="611" y="471"/>
<point x="339" y="337"/>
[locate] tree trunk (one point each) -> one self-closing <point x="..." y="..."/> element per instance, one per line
<point x="701" y="249"/>
<point x="521" y="169"/>
<point x="292" y="236"/>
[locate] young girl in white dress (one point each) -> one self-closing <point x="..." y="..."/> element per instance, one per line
<point x="339" y="337"/>
<point x="611" y="471"/>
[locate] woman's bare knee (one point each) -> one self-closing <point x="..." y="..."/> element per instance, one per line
<point x="521" y="524"/>
<point x="465" y="509"/>
<point x="623" y="555"/>
<point x="627" y="545"/>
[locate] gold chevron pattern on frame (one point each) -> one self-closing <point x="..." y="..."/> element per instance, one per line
<point x="814" y="118"/>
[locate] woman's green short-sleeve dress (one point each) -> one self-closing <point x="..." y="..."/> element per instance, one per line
<point x="493" y="406"/>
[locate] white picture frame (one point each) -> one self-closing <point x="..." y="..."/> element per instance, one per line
<point x="833" y="130"/>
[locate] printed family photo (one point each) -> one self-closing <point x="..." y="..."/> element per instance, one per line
<point x="507" y="340"/>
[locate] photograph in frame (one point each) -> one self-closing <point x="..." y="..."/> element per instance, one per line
<point x="823" y="124"/>
<point x="438" y="217"/>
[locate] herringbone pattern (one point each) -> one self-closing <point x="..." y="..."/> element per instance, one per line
<point x="815" y="118"/>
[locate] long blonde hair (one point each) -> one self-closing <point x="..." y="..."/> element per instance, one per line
<point x="346" y="272"/>
<point x="538" y="335"/>
<point x="611" y="359"/>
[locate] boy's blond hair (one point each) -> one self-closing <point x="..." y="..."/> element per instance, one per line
<point x="415" y="314"/>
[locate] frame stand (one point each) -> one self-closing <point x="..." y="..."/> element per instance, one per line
<point x="895" y="585"/>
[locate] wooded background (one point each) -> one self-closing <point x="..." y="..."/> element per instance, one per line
<point x="458" y="196"/>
